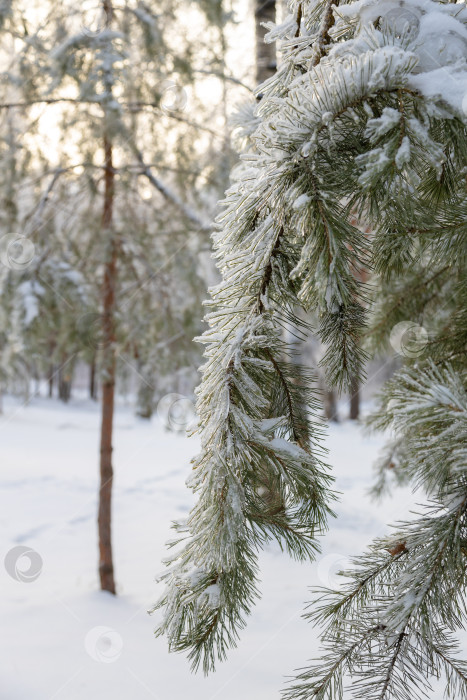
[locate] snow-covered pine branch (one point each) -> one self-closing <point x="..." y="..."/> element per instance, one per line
<point x="358" y="123"/>
<point x="254" y="410"/>
<point x="408" y="590"/>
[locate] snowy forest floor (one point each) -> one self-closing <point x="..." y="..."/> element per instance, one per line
<point x="48" y="486"/>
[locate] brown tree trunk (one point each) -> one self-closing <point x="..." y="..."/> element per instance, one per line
<point x="266" y="62"/>
<point x="64" y="381"/>
<point x="354" y="412"/>
<point x="64" y="388"/>
<point x="51" y="368"/>
<point x="92" y="380"/>
<point x="106" y="568"/>
<point x="50" y="381"/>
<point x="330" y="405"/>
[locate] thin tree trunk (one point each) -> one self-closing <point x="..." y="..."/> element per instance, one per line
<point x="330" y="405"/>
<point x="266" y="62"/>
<point x="92" y="380"/>
<point x="51" y="369"/>
<point x="106" y="568"/>
<point x="145" y="400"/>
<point x="354" y="412"/>
<point x="64" y="381"/>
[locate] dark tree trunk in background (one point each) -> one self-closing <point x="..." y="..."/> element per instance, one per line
<point x="354" y="412"/>
<point x="65" y="378"/>
<point x="92" y="380"/>
<point x="106" y="568"/>
<point x="330" y="405"/>
<point x="145" y="402"/>
<point x="50" y="381"/>
<point x="64" y="385"/>
<point x="265" y="11"/>
<point x="51" y="370"/>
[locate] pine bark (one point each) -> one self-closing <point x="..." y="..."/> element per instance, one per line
<point x="106" y="567"/>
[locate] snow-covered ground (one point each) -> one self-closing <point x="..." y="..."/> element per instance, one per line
<point x="62" y="639"/>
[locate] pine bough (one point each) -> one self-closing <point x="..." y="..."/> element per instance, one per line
<point x="365" y="121"/>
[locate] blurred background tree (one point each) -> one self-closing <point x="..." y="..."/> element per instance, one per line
<point x="115" y="150"/>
